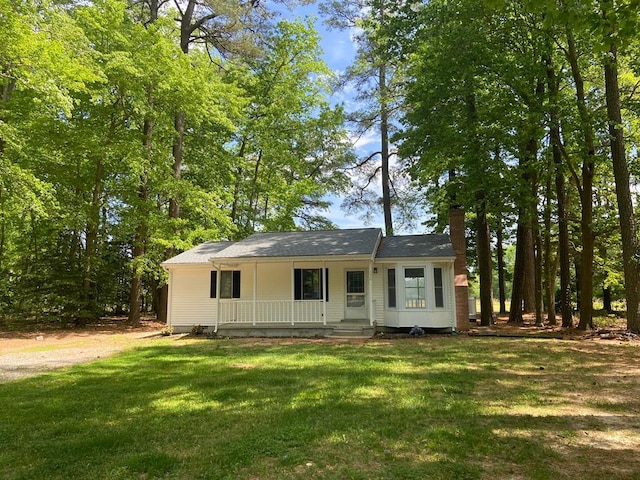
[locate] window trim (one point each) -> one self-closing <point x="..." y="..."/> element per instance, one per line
<point x="298" y="284"/>
<point x="438" y="288"/>
<point x="392" y="289"/>
<point x="421" y="290"/>
<point x="216" y="289"/>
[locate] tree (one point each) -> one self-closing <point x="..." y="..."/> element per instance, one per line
<point x="377" y="78"/>
<point x="620" y="21"/>
<point x="291" y="145"/>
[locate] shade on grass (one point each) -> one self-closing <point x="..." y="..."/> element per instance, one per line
<point x="434" y="408"/>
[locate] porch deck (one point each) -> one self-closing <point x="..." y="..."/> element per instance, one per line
<point x="346" y="329"/>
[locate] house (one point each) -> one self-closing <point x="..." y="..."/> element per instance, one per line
<point x="315" y="283"/>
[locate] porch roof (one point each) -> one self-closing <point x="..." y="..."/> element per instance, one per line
<point x="434" y="245"/>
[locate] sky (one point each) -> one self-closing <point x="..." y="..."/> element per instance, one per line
<point x="338" y="53"/>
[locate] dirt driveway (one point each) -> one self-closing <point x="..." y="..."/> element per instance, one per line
<point x="24" y="354"/>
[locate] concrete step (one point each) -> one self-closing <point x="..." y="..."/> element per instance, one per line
<point x="355" y="321"/>
<point x="352" y="331"/>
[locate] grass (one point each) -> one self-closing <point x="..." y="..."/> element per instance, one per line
<point x="429" y="408"/>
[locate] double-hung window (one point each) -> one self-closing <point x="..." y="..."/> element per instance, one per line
<point x="438" y="287"/>
<point x="414" y="288"/>
<point x="308" y="283"/>
<point x="391" y="288"/>
<point x="229" y="284"/>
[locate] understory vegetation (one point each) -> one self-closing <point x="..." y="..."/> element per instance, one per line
<point x="437" y="407"/>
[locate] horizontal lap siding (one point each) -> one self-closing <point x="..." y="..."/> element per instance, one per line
<point x="190" y="302"/>
<point x="378" y="295"/>
<point x="274" y="282"/>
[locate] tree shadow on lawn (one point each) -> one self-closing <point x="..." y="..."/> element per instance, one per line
<point x="404" y="410"/>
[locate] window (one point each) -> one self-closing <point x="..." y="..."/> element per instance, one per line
<point x="414" y="291"/>
<point x="308" y="283"/>
<point x="229" y="284"/>
<point x="356" y="297"/>
<point x="438" y="287"/>
<point x="391" y="288"/>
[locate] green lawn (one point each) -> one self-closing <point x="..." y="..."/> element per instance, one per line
<point x="428" y="408"/>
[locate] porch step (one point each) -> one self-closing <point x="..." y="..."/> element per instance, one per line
<point x="350" y="330"/>
<point x="355" y="321"/>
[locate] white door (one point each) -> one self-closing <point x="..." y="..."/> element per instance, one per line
<point x="356" y="300"/>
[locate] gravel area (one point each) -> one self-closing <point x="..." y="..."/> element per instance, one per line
<point x="20" y="365"/>
<point x="27" y="354"/>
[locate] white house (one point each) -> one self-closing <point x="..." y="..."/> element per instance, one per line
<point x="337" y="282"/>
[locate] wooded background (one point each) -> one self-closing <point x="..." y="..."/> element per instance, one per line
<point x="133" y="130"/>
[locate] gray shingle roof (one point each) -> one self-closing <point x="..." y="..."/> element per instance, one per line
<point x="314" y="243"/>
<point x="323" y="243"/>
<point x="405" y="246"/>
<point x="200" y="254"/>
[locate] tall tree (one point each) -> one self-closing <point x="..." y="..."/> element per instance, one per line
<point x="376" y="78"/>
<point x="620" y="22"/>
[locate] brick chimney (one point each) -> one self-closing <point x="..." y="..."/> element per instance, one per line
<point x="459" y="242"/>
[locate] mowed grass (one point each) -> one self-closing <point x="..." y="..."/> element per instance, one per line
<point x="428" y="408"/>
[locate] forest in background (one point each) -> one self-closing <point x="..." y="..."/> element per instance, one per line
<point x="131" y="130"/>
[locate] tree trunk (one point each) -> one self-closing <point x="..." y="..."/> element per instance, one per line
<point x="577" y="265"/>
<point x="586" y="192"/>
<point x="384" y="136"/>
<point x="539" y="303"/>
<point x="501" y="270"/>
<point x="623" y="190"/>
<point x="484" y="261"/>
<point x="517" y="288"/>
<point x="90" y="241"/>
<point x="606" y="300"/>
<point x="549" y="263"/>
<point x="529" y="252"/>
<point x="564" y="257"/>
<point x="142" y="232"/>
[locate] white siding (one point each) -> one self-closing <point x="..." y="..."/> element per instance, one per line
<point x="378" y="295"/>
<point x="429" y="317"/>
<point x="190" y="303"/>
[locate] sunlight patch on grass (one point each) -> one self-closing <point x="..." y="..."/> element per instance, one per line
<point x="183" y="399"/>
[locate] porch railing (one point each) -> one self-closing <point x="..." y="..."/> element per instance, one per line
<point x="272" y="311"/>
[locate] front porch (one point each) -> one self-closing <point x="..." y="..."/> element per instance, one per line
<point x="286" y="318"/>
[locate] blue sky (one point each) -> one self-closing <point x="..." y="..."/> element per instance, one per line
<point x="339" y="51"/>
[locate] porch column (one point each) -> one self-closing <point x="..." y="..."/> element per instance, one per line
<point x="218" y="282"/>
<point x="293" y="292"/>
<point x="255" y="289"/>
<point x="371" y="312"/>
<point x="324" y="292"/>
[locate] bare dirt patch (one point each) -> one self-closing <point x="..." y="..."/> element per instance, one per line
<point x="613" y="329"/>
<point x="24" y="354"/>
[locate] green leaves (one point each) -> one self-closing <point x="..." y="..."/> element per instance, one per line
<point x="90" y="94"/>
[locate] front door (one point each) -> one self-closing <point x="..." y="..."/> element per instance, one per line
<point x="356" y="301"/>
